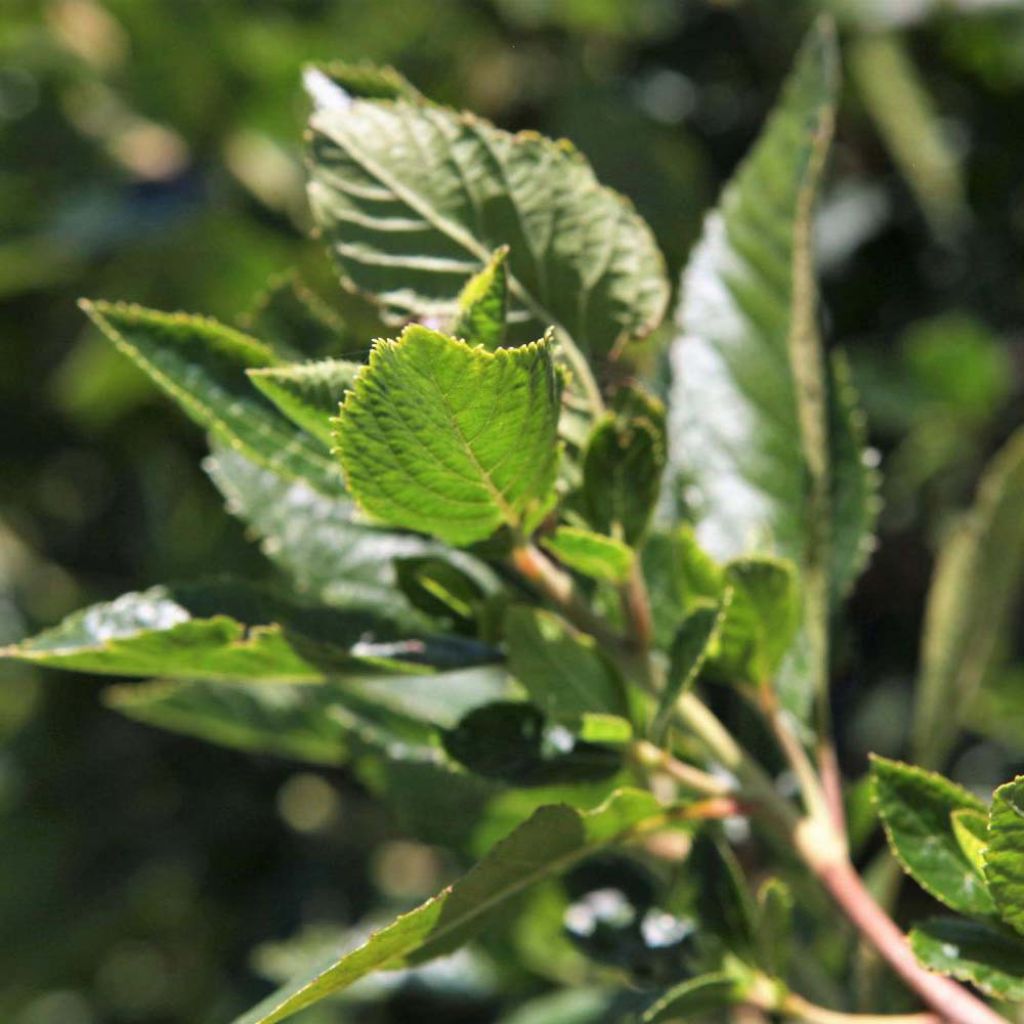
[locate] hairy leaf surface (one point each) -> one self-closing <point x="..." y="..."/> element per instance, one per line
<point x="202" y="365"/>
<point x="413" y="198"/>
<point x="443" y="438"/>
<point x="1004" y="855"/>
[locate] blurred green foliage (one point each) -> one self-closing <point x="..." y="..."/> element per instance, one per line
<point x="150" y="151"/>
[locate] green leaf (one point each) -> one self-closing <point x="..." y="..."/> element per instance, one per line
<point x="974" y="589"/>
<point x="751" y="450"/>
<point x="309" y="394"/>
<point x="724" y="903"/>
<point x="214" y="631"/>
<point x="690" y="649"/>
<point x="986" y="956"/>
<point x="289" y="721"/>
<point x="446" y="588"/>
<point x="971" y="831"/>
<point x="738" y="400"/>
<point x="855" y="482"/>
<point x="362" y="80"/>
<point x="315" y="538"/>
<point x="563" y="671"/>
<point x="549" y="842"/>
<point x="622" y="467"/>
<point x="451" y="440"/>
<point x="202" y="365"/>
<point x="413" y="198"/>
<point x="512" y="742"/>
<point x="1004" y="856"/>
<point x="296" y="321"/>
<point x="591" y="554"/>
<point x="761" y="620"/>
<point x="773" y="928"/>
<point x="680" y="576"/>
<point x="695" y="995"/>
<point x="915" y="806"/>
<point x="483" y="304"/>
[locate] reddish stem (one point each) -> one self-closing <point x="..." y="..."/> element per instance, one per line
<point x="952" y="1002"/>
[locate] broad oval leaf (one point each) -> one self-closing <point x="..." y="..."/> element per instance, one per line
<point x="443" y="438"/>
<point x="413" y="198"/>
<point x="983" y="954"/>
<point x="225" y="630"/>
<point x="1004" y="856"/>
<point x="552" y="840"/>
<point x="915" y="806"/>
<point x="202" y="366"/>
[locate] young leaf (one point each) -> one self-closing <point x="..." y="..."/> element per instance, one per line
<point x="214" y="631"/>
<point x="774" y="926"/>
<point x="202" y="365"/>
<point x="622" y="467"/>
<point x="451" y="440"/>
<point x="362" y="80"/>
<point x="563" y="671"/>
<point x="974" y="587"/>
<point x="413" y="198"/>
<point x="983" y="954"/>
<point x="971" y="831"/>
<point x="591" y="554"/>
<point x="1004" y="857"/>
<point x="483" y="304"/>
<point x="694" y="996"/>
<point x="309" y="394"/>
<point x="314" y="538"/>
<point x="690" y="649"/>
<point x="680" y="576"/>
<point x="548" y="843"/>
<point x="915" y="806"/>
<point x="761" y="620"/>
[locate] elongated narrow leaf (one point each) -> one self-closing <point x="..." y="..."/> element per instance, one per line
<point x="854" y="482"/>
<point x="290" y="721"/>
<point x="752" y="405"/>
<point x="974" y="589"/>
<point x="211" y="631"/>
<point x="1004" y="856"/>
<point x="591" y="554"/>
<point x="736" y="416"/>
<point x="916" y="807"/>
<point x="447" y="439"/>
<point x="483" y="304"/>
<point x="690" y="649"/>
<point x="562" y="670"/>
<point x="309" y="394"/>
<point x="412" y="199"/>
<point x="202" y="365"/>
<point x="986" y="956"/>
<point x="774" y="927"/>
<point x="550" y="842"/>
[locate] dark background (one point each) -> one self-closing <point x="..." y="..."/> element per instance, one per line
<point x="150" y="151"/>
